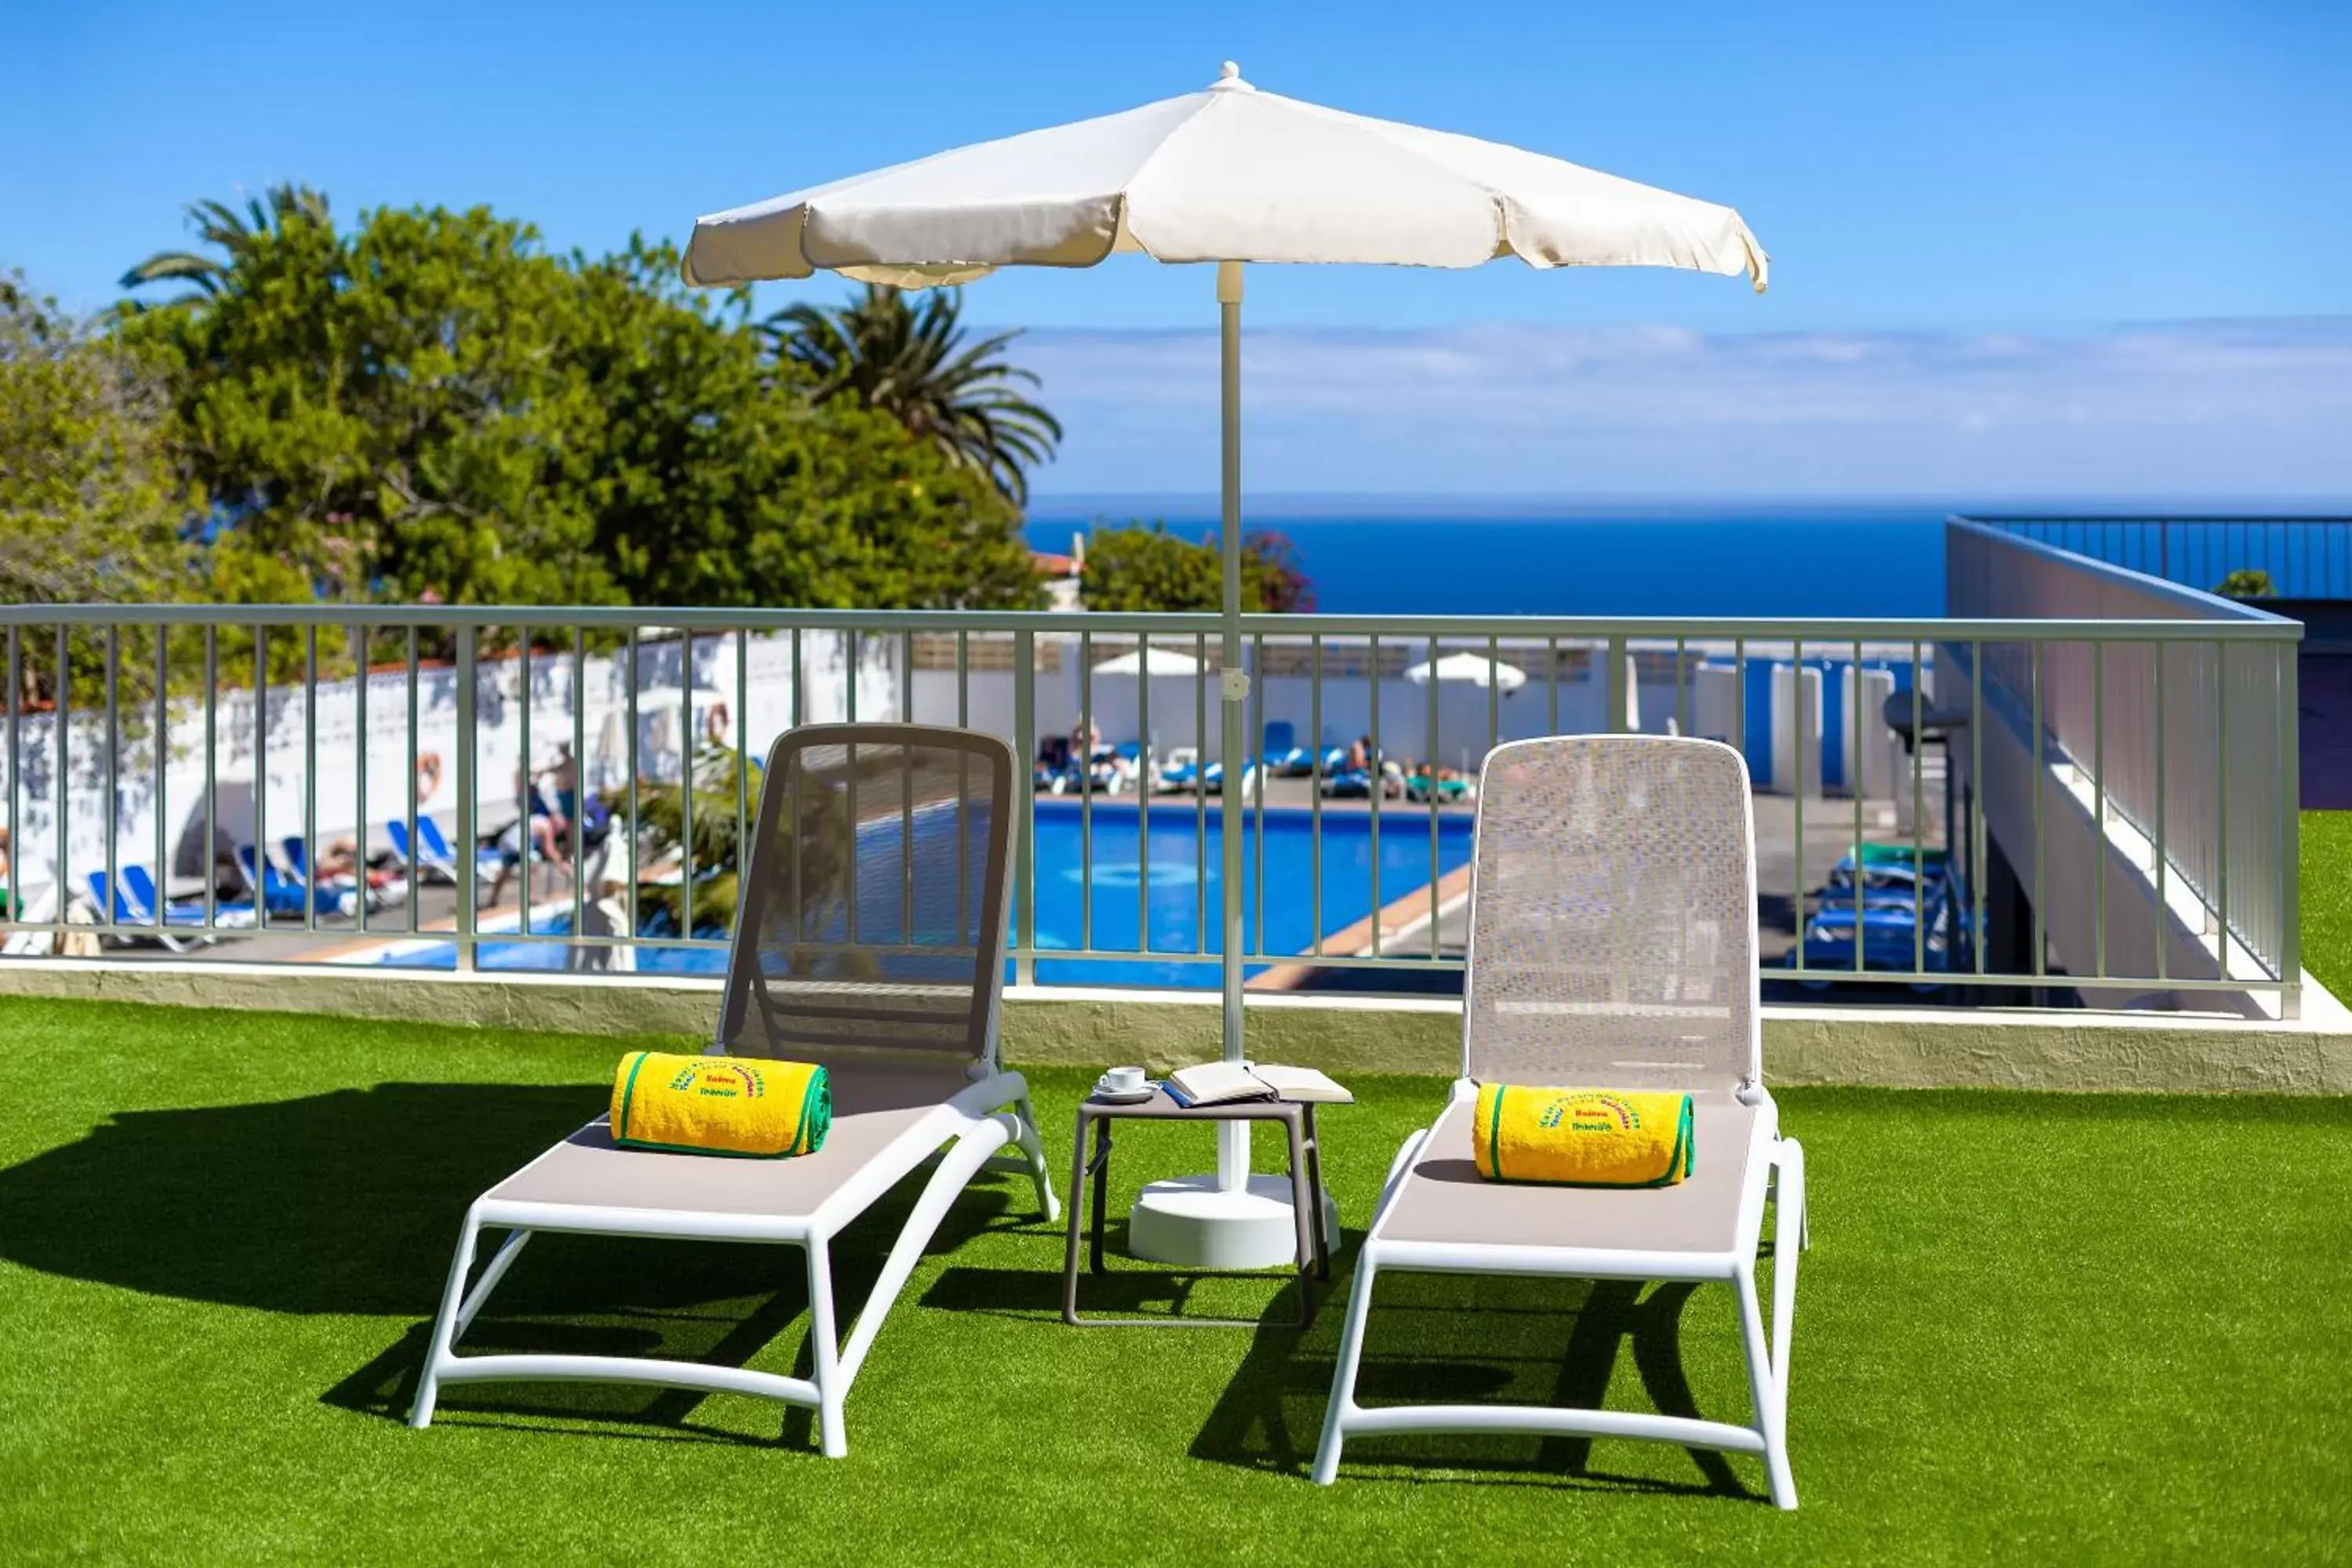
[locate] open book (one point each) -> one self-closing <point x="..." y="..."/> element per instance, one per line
<point x="1222" y="1083"/>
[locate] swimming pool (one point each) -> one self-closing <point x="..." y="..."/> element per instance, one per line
<point x="1115" y="902"/>
<point x="1108" y="899"/>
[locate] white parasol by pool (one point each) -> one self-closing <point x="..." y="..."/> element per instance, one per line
<point x="1229" y="175"/>
<point x="1468" y="669"/>
<point x="1160" y="661"/>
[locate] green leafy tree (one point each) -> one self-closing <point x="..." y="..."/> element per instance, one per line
<point x="233" y="234"/>
<point x="720" y="480"/>
<point x="2246" y="583"/>
<point x="432" y="408"/>
<point x="1138" y="568"/>
<point x="91" y="507"/>
<point x="912" y="363"/>
<point x="389" y="414"/>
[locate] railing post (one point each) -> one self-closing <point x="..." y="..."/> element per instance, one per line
<point x="1025" y="823"/>
<point x="2290" y="831"/>
<point x="1616" y="679"/>
<point x="468" y="809"/>
<point x="13" y="907"/>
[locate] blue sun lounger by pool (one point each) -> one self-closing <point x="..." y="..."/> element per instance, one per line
<point x="1284" y="757"/>
<point x="1213" y="778"/>
<point x="432" y="854"/>
<point x="134" y="904"/>
<point x="279" y="893"/>
<point x="141" y="887"/>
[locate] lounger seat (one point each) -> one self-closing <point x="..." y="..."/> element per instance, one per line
<point x="1444" y="1199"/>
<point x="874" y="1110"/>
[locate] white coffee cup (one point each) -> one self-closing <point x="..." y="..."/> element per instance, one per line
<point x="1121" y="1081"/>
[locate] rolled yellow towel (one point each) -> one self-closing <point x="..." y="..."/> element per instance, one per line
<point x="1582" y="1137"/>
<point x="720" y="1105"/>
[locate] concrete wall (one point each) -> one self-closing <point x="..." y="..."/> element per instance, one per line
<point x="1895" y="1048"/>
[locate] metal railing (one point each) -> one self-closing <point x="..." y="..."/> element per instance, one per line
<point x="2305" y="557"/>
<point x="2190" y="744"/>
<point x="216" y="746"/>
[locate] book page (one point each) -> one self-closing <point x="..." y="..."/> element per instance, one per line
<point x="1304" y="1085"/>
<point x="1216" y="1083"/>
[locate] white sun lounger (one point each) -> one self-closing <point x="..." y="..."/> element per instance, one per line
<point x="1612" y="940"/>
<point x="872" y="939"/>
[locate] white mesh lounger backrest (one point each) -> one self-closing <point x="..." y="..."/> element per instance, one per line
<point x="1612" y="916"/>
<point x="874" y="906"/>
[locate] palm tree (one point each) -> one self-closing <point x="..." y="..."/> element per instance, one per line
<point x="662" y="831"/>
<point x="912" y="363"/>
<point x="234" y="233"/>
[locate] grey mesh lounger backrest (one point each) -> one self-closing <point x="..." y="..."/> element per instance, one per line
<point x="874" y="903"/>
<point x="1612" y="916"/>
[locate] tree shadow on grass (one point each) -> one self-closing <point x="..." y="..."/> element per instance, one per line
<point x="1511" y="1342"/>
<point x="350" y="1203"/>
<point x="339" y="1203"/>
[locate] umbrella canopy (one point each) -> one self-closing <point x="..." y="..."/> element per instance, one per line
<point x="1468" y="669"/>
<point x="1162" y="661"/>
<point x="1231" y="173"/>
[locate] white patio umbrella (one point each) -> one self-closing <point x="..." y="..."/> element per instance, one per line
<point x="1231" y="175"/>
<point x="1228" y="175"/>
<point x="1162" y="661"/>
<point x="1468" y="669"/>
<point x="1460" y="726"/>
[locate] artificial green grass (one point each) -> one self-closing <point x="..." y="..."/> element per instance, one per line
<point x="2325" y="890"/>
<point x="2045" y="1326"/>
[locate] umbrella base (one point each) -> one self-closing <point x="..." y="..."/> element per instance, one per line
<point x="1191" y="1223"/>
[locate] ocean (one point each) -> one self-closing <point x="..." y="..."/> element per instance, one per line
<point x="1512" y="558"/>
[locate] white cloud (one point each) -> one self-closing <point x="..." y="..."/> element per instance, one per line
<point x="2245" y="408"/>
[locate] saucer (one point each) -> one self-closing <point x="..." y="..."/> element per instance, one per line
<point x="1122" y="1096"/>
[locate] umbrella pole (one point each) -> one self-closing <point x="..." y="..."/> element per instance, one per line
<point x="1229" y="1220"/>
<point x="1232" y="687"/>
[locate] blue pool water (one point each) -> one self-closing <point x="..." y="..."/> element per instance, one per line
<point x="1125" y="903"/>
<point x="1117" y="904"/>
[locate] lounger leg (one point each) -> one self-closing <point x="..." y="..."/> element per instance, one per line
<point x="1788" y="1220"/>
<point x="956" y="1168"/>
<point x="825" y="1355"/>
<point x="1343" y="1371"/>
<point x="445" y="1325"/>
<point x="500" y="1261"/>
<point x="1764" y="1391"/>
<point x="1036" y="1151"/>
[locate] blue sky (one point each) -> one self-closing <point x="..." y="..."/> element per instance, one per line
<point x="2001" y="232"/>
